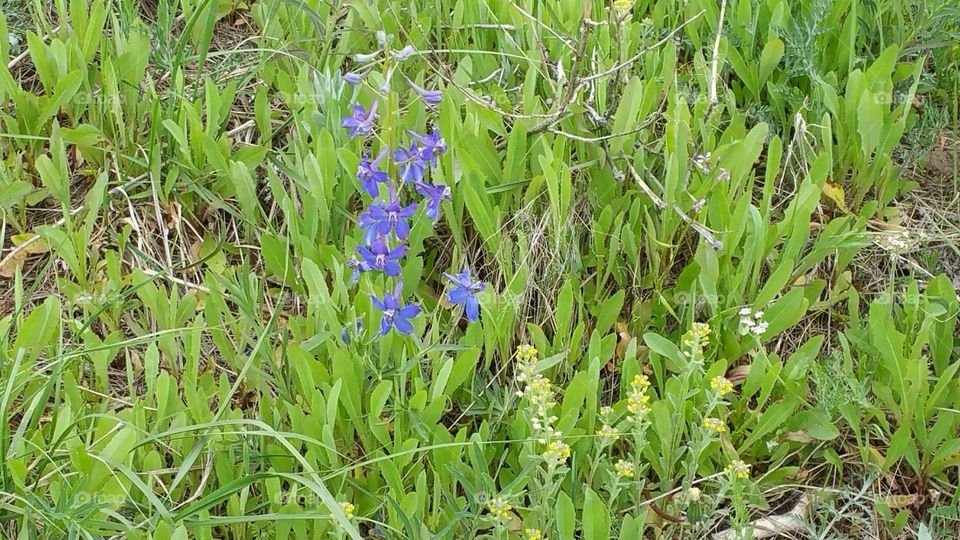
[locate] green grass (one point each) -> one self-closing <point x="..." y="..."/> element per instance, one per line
<point x="738" y="307"/>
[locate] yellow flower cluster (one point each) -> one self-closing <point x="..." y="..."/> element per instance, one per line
<point x="533" y="534"/>
<point x="739" y="469"/>
<point x="539" y="391"/>
<point x="638" y="398"/>
<point x="624" y="469"/>
<point x="499" y="508"/>
<point x="622" y="6"/>
<point x="722" y="385"/>
<point x="607" y="434"/>
<point x="606" y="412"/>
<point x="347" y="508"/>
<point x="527" y="353"/>
<point x="714" y="424"/>
<point x="697" y="338"/>
<point x="557" y="453"/>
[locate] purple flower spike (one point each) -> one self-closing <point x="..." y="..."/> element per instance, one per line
<point x="432" y="145"/>
<point x="393" y="315"/>
<point x="465" y="292"/>
<point x="369" y="176"/>
<point x="380" y="257"/>
<point x="382" y="218"/>
<point x="361" y="122"/>
<point x="412" y="166"/>
<point x="430" y="97"/>
<point x="435" y="194"/>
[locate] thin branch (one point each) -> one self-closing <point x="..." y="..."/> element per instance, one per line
<point x="701" y="230"/>
<point x="640" y="54"/>
<point x="716" y="54"/>
<point x="573" y="86"/>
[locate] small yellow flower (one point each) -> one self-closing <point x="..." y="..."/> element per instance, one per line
<point x="697" y="338"/>
<point x="607" y="434"/>
<point x="347" y="508"/>
<point x="700" y="330"/>
<point x="533" y="534"/>
<point x="638" y="398"/>
<point x="714" y="424"/>
<point x="622" y="6"/>
<point x="722" y="385"/>
<point x="625" y="469"/>
<point x="557" y="453"/>
<point x="499" y="508"/>
<point x="527" y="353"/>
<point x="693" y="494"/>
<point x="739" y="469"/>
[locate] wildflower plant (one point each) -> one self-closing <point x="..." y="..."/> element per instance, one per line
<point x="623" y="471"/>
<point x="735" y="481"/>
<point x="396" y="177"/>
<point x="705" y="427"/>
<point x="546" y="443"/>
<point x="500" y="513"/>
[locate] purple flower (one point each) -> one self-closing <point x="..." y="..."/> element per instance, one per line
<point x="356" y="77"/>
<point x="369" y="176"/>
<point x="380" y="257"/>
<point x="345" y="331"/>
<point x="361" y="123"/>
<point x="430" y="97"/>
<point x="435" y="194"/>
<point x="382" y="218"/>
<point x="432" y="145"/>
<point x="412" y="166"/>
<point x="357" y="266"/>
<point x="465" y="292"/>
<point x="393" y="315"/>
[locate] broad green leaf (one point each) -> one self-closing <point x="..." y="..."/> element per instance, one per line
<point x="596" y="520"/>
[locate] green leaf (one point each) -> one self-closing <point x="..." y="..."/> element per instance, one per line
<point x="566" y="516"/>
<point x="664" y="347"/>
<point x="870" y="117"/>
<point x="773" y="418"/>
<point x="596" y="520"/>
<point x="770" y="58"/>
<point x="817" y="423"/>
<point x="609" y="312"/>
<point x="276" y="258"/>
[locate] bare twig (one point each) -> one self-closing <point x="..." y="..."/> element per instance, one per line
<point x="640" y="127"/>
<point x="640" y="54"/>
<point x="701" y="230"/>
<point x="576" y="82"/>
<point x="573" y="85"/>
<point x="716" y="54"/>
<point x="183" y="283"/>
